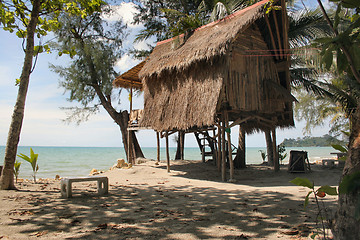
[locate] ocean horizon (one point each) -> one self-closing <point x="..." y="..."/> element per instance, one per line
<point x="79" y="161"/>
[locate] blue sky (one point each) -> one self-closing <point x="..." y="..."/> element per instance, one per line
<point x="43" y="124"/>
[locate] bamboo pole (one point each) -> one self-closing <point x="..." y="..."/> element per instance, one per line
<point x="276" y="156"/>
<point x="271" y="35"/>
<point x="223" y="150"/>
<point x="228" y="135"/>
<point x="278" y="33"/>
<point x="167" y="152"/>
<point x="158" y="148"/>
<point x="218" y="160"/>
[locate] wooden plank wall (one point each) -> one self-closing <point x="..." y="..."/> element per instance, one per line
<point x="250" y="67"/>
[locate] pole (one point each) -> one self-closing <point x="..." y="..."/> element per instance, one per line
<point x="167" y="151"/>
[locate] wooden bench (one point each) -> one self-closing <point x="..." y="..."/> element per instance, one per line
<point x="66" y="188"/>
<point x="328" y="162"/>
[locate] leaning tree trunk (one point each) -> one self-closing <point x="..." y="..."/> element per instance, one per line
<point x="269" y="148"/>
<point x="240" y="160"/>
<point x="346" y="226"/>
<point x="7" y="176"/>
<point x="180" y="146"/>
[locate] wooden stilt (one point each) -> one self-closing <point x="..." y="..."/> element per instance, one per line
<point x="223" y="150"/>
<point x="276" y="156"/>
<point x="182" y="136"/>
<point x="158" y="148"/>
<point x="128" y="147"/>
<point x="228" y="135"/>
<point x="167" y="151"/>
<point x="218" y="159"/>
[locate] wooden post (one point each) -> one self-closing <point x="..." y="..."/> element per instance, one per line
<point x="131" y="96"/>
<point x="218" y="159"/>
<point x="128" y="147"/>
<point x="182" y="140"/>
<point x="228" y="135"/>
<point x="223" y="150"/>
<point x="158" y="148"/>
<point x="167" y="151"/>
<point x="276" y="157"/>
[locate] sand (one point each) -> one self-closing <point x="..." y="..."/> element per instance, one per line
<point x="190" y="202"/>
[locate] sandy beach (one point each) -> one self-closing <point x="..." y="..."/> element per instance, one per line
<point x="146" y="202"/>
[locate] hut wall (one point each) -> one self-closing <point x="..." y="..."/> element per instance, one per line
<point x="181" y="100"/>
<point x="251" y="66"/>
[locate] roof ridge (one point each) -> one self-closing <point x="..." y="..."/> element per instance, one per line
<point x="239" y="12"/>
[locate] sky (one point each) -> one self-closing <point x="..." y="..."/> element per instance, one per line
<point x="43" y="122"/>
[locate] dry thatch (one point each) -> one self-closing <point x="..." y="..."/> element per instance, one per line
<point x="185" y="100"/>
<point x="130" y="78"/>
<point x="192" y="84"/>
<point x="204" y="44"/>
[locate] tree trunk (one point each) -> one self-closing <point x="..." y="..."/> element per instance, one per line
<point x="346" y="226"/>
<point x="180" y="146"/>
<point x="7" y="176"/>
<point x="269" y="148"/>
<point x="239" y="160"/>
<point x="122" y="120"/>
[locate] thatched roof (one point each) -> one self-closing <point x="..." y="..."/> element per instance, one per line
<point x="205" y="43"/>
<point x="187" y="83"/>
<point x="130" y="78"/>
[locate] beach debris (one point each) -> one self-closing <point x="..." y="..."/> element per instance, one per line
<point x="57" y="177"/>
<point x="121" y="163"/>
<point x="39" y="234"/>
<point x="94" y="172"/>
<point x="142" y="160"/>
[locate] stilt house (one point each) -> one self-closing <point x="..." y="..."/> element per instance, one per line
<point x="235" y="69"/>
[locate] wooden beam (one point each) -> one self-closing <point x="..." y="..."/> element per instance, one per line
<point x="158" y="148"/>
<point x="218" y="159"/>
<point x="167" y="152"/>
<point x="271" y="36"/>
<point x="228" y="135"/>
<point x="278" y="34"/>
<point x="239" y="121"/>
<point x="275" y="151"/>
<point x="223" y="150"/>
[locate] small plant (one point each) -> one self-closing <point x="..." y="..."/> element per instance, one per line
<point x="318" y="193"/>
<point x="16" y="170"/>
<point x="281" y="152"/>
<point x="263" y="155"/>
<point x="32" y="160"/>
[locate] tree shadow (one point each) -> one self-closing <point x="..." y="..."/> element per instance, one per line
<point x="163" y="211"/>
<point x="252" y="175"/>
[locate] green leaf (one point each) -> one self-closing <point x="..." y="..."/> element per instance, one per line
<point x="328" y="190"/>
<point x="339" y="148"/>
<point x="304" y="182"/>
<point x="306" y="202"/>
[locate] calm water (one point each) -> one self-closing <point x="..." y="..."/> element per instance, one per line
<point x="78" y="161"/>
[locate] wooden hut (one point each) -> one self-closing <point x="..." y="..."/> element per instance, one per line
<point x="235" y="69"/>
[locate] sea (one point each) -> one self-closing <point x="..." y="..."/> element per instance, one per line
<point x="79" y="161"/>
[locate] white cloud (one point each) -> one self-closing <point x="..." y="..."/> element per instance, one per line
<point x="124" y="11"/>
<point x="126" y="62"/>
